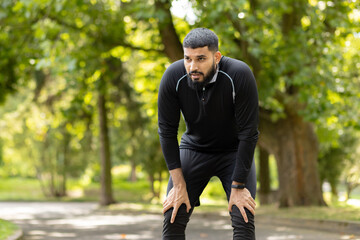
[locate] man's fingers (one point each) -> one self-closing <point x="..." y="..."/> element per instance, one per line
<point x="251" y="209"/>
<point x="252" y="204"/>
<point x="243" y="213"/>
<point x="176" y="208"/>
<point x="166" y="207"/>
<point x="188" y="206"/>
<point x="253" y="201"/>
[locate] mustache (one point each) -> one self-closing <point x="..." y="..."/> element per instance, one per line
<point x="196" y="72"/>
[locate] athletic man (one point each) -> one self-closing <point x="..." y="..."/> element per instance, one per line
<point x="218" y="99"/>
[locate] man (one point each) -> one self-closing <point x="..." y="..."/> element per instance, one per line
<point x="218" y="99"/>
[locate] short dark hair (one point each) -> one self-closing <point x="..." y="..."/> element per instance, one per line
<point x="201" y="37"/>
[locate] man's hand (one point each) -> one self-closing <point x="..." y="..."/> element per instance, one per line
<point x="242" y="199"/>
<point x="176" y="197"/>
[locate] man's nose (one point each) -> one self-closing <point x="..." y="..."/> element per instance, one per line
<point x="193" y="66"/>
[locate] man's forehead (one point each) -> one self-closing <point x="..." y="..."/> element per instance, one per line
<point x="194" y="52"/>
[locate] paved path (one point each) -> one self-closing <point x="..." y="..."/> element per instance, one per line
<point x="84" y="221"/>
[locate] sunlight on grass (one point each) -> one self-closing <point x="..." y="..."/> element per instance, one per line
<point x="354" y="203"/>
<point x="121" y="170"/>
<point x="342" y="213"/>
<point x="7" y="229"/>
<point x="214" y="193"/>
<point x="20" y="189"/>
<point x="128" y="206"/>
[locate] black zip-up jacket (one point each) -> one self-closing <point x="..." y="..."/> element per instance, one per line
<point x="221" y="117"/>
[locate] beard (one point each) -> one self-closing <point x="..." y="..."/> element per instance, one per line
<point x="196" y="85"/>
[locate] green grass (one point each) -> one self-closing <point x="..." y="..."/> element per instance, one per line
<point x="7" y="229"/>
<point x="137" y="196"/>
<point x="338" y="212"/>
<point x="18" y="189"/>
<point x="123" y="191"/>
<point x="27" y="189"/>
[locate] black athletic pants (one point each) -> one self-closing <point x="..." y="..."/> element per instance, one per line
<point x="198" y="168"/>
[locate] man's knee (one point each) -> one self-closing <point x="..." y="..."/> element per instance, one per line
<point x="242" y="230"/>
<point x="176" y="230"/>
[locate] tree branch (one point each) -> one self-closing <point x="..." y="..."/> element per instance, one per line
<point x="120" y="42"/>
<point x="244" y="45"/>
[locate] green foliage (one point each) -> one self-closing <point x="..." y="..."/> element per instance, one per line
<point x="15" y="31"/>
<point x="7" y="229"/>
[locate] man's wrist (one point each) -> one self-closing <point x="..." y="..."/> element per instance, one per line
<point x="237" y="185"/>
<point x="180" y="185"/>
<point x="177" y="178"/>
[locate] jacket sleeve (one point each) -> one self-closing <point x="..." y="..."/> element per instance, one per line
<point x="247" y="119"/>
<point x="168" y="119"/>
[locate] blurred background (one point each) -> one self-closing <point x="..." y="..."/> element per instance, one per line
<point x="78" y="94"/>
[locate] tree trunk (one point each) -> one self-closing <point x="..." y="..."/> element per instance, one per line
<point x="66" y="143"/>
<point x="295" y="146"/>
<point x="132" y="177"/>
<point x="152" y="184"/>
<point x="160" y="183"/>
<point x="264" y="177"/>
<point x="348" y="191"/>
<point x="349" y="188"/>
<point x="334" y="191"/>
<point x="106" y="197"/>
<point x="172" y="45"/>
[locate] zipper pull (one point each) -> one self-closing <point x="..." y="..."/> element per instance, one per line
<point x="203" y="96"/>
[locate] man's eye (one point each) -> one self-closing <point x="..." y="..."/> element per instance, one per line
<point x="201" y="59"/>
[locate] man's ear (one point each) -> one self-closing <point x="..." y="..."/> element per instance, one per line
<point x="217" y="57"/>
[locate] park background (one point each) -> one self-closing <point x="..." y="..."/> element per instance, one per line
<point x="78" y="92"/>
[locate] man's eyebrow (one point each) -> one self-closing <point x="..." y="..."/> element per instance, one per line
<point x="198" y="56"/>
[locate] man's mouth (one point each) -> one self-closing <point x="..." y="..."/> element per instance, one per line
<point x="196" y="75"/>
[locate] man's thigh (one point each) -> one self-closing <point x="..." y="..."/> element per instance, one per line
<point x="195" y="166"/>
<point x="224" y="171"/>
